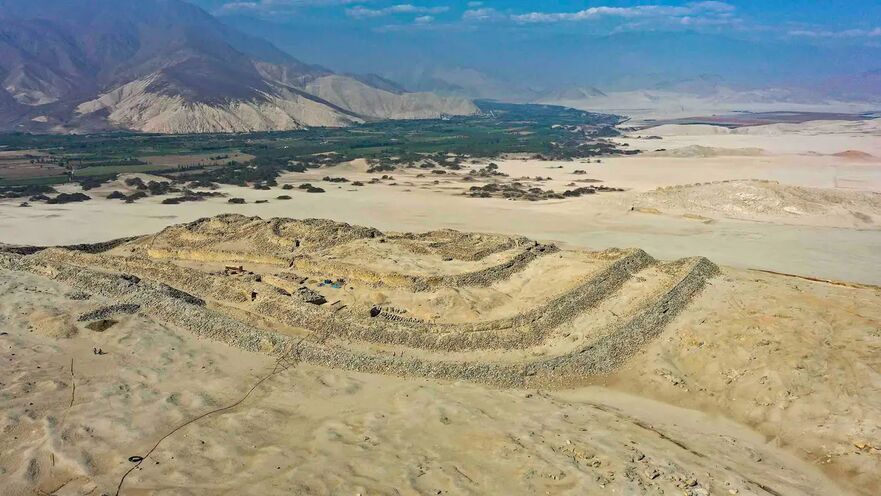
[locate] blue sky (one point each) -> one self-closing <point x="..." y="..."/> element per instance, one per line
<point x="565" y="42"/>
<point x="856" y="20"/>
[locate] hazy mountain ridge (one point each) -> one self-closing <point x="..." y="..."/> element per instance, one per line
<point x="167" y="66"/>
<point x="701" y="95"/>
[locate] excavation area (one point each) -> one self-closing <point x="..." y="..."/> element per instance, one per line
<point x="492" y="309"/>
<point x="249" y="355"/>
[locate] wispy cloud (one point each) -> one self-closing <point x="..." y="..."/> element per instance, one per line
<point x="270" y="6"/>
<point x="692" y="9"/>
<point x="847" y="33"/>
<point x="361" y="12"/>
<point x="695" y="13"/>
<point x="482" y="14"/>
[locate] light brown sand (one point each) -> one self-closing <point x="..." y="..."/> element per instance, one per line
<point x="71" y="418"/>
<point x="767" y="201"/>
<point x="793" y="155"/>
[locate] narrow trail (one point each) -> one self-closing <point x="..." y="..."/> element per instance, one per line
<point x="282" y="364"/>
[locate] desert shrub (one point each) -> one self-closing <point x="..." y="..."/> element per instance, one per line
<point x="68" y="198"/>
<point x="26" y="190"/>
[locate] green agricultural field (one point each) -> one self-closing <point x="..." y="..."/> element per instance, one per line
<point x="109" y="170"/>
<point x="549" y="131"/>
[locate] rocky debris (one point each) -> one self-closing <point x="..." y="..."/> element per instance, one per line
<point x="481" y="278"/>
<point x="393" y="315"/>
<point x="310" y="296"/>
<point x="670" y="377"/>
<point x="262" y="241"/>
<point x="78" y="296"/>
<point x="98" y="247"/>
<point x="128" y="280"/>
<point x="107" y="274"/>
<point x="237" y="201"/>
<point x="101" y="325"/>
<point x="489" y="275"/>
<point x="104" y="313"/>
<point x="456" y="245"/>
<point x="181" y="295"/>
<point x="234" y="270"/>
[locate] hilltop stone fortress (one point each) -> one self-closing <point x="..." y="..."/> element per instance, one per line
<point x="500" y="310"/>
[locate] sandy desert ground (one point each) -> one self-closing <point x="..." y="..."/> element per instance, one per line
<point x="838" y="156"/>
<point x="767" y="371"/>
<point x="551" y="355"/>
<point x="646" y="107"/>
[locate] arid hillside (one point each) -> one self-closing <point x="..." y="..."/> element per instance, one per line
<point x="167" y="66"/>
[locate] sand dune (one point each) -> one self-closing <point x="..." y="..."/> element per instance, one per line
<point x="695" y="151"/>
<point x="824" y="128"/>
<point x="768" y="201"/>
<point x="818" y="137"/>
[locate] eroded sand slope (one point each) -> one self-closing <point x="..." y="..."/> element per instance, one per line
<point x="768" y="201"/>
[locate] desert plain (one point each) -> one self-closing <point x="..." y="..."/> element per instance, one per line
<point x="710" y="324"/>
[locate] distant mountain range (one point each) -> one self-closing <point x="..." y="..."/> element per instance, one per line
<point x="702" y="95"/>
<point x="167" y="66"/>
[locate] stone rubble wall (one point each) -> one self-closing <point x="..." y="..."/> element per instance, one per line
<point x="320" y="347"/>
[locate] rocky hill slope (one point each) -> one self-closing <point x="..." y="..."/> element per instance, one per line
<point x="167" y="66"/>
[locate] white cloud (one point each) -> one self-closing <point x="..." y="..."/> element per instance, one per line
<point x="239" y="6"/>
<point x="713" y="6"/>
<point x="361" y="12"/>
<point x="847" y="33"/>
<point x="424" y="19"/>
<point x="640" y="11"/>
<point x="270" y="6"/>
<point x="483" y="14"/>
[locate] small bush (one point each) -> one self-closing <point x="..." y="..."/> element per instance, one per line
<point x="68" y="198"/>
